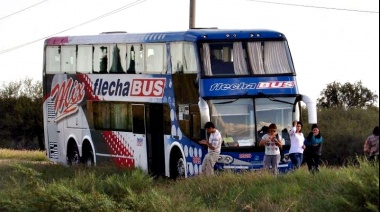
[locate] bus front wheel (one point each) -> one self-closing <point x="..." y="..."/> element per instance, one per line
<point x="177" y="166"/>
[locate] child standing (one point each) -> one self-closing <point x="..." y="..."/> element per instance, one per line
<point x="273" y="143"/>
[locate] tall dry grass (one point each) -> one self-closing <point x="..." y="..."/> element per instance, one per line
<point x="53" y="187"/>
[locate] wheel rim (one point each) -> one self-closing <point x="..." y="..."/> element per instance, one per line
<point x="181" y="167"/>
<point x="74" y="158"/>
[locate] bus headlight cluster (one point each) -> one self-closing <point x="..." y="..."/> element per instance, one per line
<point x="225" y="159"/>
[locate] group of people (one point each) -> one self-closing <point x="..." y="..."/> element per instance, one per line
<point x="309" y="148"/>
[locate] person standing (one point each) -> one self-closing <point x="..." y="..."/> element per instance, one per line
<point x="313" y="150"/>
<point x="296" y="144"/>
<point x="214" y="145"/>
<point x="371" y="145"/>
<point x="273" y="143"/>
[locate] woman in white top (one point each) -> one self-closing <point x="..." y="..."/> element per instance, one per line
<point x="296" y="144"/>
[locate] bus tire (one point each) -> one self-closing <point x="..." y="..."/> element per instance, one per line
<point x="88" y="158"/>
<point x="177" y="165"/>
<point x="73" y="157"/>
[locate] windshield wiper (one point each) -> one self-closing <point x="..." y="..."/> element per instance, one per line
<point x="232" y="101"/>
<point x="274" y="99"/>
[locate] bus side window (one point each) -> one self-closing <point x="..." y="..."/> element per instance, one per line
<point x="101" y="115"/>
<point x="176" y="57"/>
<point x="132" y="63"/>
<point x="139" y="59"/>
<point x="167" y="120"/>
<point x="195" y="120"/>
<point x="84" y="61"/>
<point x="121" y="116"/>
<point x="100" y="62"/>
<point x="136" y="59"/>
<point x="155" y="57"/>
<point x="179" y="67"/>
<point x="53" y="59"/>
<point x="189" y="120"/>
<point x="138" y="121"/>
<point x="116" y="60"/>
<point x="68" y="59"/>
<point x="183" y="115"/>
<point x="150" y="64"/>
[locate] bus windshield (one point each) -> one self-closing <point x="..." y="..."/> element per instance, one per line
<point x="236" y="118"/>
<point x="246" y="58"/>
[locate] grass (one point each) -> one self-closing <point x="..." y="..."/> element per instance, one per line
<point x="22" y="155"/>
<point x="52" y="187"/>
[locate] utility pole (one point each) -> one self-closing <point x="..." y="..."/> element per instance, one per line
<point x="192" y="14"/>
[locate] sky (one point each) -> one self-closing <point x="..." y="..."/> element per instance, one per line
<point x="330" y="40"/>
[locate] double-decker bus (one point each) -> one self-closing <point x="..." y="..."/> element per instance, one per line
<point x="141" y="100"/>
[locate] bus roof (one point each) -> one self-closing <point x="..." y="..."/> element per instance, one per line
<point x="191" y="35"/>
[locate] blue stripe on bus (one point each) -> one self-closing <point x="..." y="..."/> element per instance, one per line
<point x="218" y="87"/>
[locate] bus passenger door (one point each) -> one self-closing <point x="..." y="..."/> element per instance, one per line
<point x="139" y="136"/>
<point x="155" y="140"/>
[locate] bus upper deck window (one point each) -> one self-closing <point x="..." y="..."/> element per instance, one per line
<point x="53" y="59"/>
<point x="270" y="57"/>
<point x="224" y="58"/>
<point x="117" y="60"/>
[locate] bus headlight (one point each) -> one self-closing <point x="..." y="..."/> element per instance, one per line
<point x="226" y="159"/>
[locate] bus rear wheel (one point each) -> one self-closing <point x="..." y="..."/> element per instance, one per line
<point x="73" y="157"/>
<point x="88" y="158"/>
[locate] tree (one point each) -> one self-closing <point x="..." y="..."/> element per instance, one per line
<point x="23" y="88"/>
<point x="347" y="96"/>
<point x="21" y="123"/>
